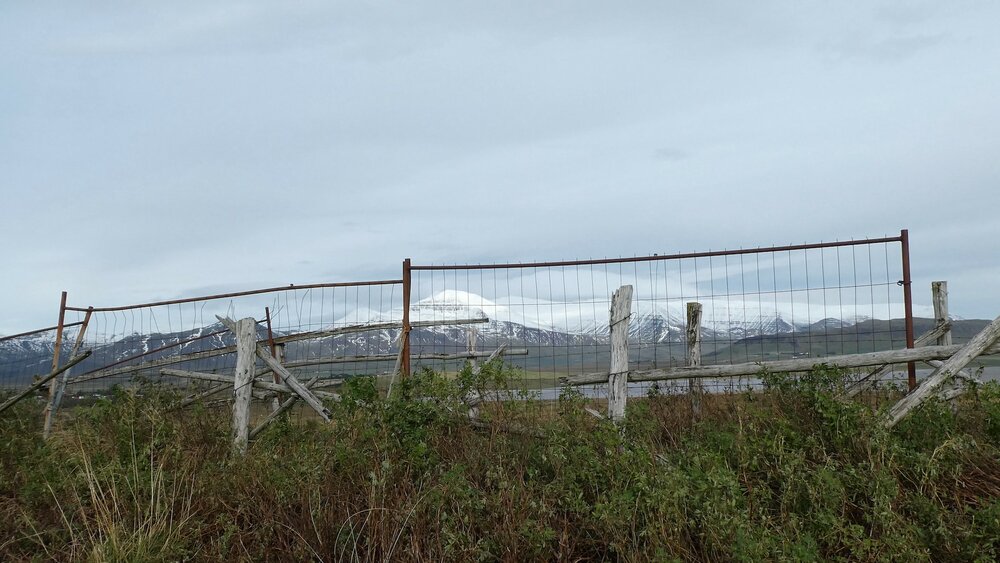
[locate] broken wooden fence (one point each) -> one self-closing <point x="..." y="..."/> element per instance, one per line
<point x="248" y="382"/>
<point x="948" y="380"/>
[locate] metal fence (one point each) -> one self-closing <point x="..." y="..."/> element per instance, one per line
<point x="28" y="354"/>
<point x="135" y="341"/>
<point x="808" y="300"/>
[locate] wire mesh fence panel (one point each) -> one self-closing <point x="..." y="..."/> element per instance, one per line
<point x="757" y="305"/>
<point x="808" y="301"/>
<point x="322" y="330"/>
<point x="27" y="356"/>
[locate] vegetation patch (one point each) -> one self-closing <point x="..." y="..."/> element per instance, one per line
<point x="787" y="473"/>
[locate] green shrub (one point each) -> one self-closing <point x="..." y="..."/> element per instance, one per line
<point x="791" y="473"/>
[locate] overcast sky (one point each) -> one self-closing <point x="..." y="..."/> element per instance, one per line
<point x="158" y="150"/>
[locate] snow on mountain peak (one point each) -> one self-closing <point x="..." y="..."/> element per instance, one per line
<point x="589" y="315"/>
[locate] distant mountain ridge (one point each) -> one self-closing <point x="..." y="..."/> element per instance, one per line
<point x="760" y="331"/>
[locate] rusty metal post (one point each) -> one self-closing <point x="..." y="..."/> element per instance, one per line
<point x="59" y="331"/>
<point x="270" y="335"/>
<point x="278" y="398"/>
<point x="405" y="344"/>
<point x="911" y="368"/>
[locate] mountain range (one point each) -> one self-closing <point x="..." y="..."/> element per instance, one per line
<point x="559" y="336"/>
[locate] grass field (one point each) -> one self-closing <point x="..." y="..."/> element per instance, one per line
<point x="790" y="473"/>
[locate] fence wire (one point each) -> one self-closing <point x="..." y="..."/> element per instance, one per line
<point x="757" y="306"/>
<point x="132" y="344"/>
<point x="23" y="357"/>
<point x="806" y="301"/>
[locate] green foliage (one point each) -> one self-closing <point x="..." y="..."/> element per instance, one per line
<point x="793" y="473"/>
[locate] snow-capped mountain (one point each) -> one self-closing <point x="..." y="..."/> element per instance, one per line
<point x="521" y="322"/>
<point x="652" y="321"/>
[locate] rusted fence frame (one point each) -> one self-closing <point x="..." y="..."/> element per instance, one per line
<point x="124" y="362"/>
<point x="289" y="287"/>
<point x="38" y="331"/>
<point x="408" y="268"/>
<point x="905" y="282"/>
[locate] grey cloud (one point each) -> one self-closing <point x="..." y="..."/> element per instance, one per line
<point x="669" y="154"/>
<point x="885" y="50"/>
<point x="173" y="145"/>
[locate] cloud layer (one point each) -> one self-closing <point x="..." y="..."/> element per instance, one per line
<point x="148" y="152"/>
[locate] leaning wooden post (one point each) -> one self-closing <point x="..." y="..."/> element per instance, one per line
<point x="56" y="399"/>
<point x="56" y="350"/>
<point x="246" y="358"/>
<point x="694" y="355"/>
<point x="621" y="310"/>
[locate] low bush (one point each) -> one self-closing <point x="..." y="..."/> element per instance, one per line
<point x="787" y="473"/>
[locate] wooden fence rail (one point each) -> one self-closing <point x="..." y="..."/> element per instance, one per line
<point x="951" y="369"/>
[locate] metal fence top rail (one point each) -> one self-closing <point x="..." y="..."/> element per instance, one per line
<point x="681" y="256"/>
<point x="234" y="294"/>
<point x="38" y="331"/>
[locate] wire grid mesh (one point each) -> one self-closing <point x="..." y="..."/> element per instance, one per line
<point x="132" y="344"/>
<point x="757" y="306"/>
<point x="24" y="357"/>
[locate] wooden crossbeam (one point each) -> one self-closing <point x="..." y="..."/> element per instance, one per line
<point x="783" y="366"/>
<point x="261" y="384"/>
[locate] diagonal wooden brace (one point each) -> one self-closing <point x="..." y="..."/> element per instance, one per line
<point x="298" y="388"/>
<point x="945" y="372"/>
<point x="926" y="339"/>
<point x="286" y="377"/>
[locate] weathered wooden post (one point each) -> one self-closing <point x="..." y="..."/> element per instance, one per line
<point x="694" y="355"/>
<point x="471" y="335"/>
<point x="56" y="399"/>
<point x="621" y="310"/>
<point x="939" y="293"/>
<point x="56" y="350"/>
<point x="246" y="358"/>
<point x="939" y="296"/>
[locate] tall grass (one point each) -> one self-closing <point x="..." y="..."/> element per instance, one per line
<point x="791" y="473"/>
